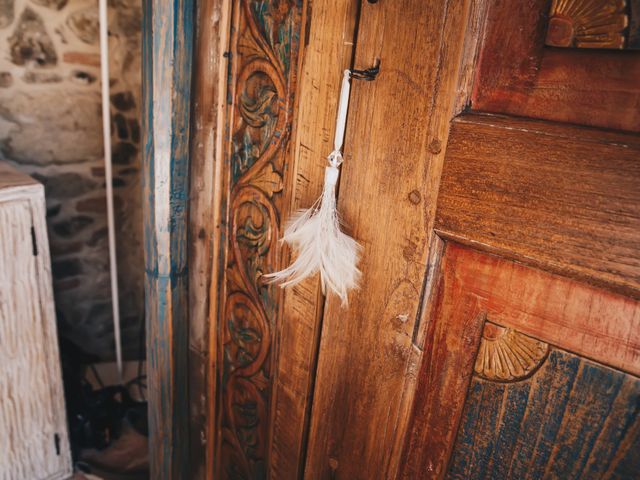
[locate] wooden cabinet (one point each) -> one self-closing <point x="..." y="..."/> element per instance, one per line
<point x="492" y="175"/>
<point x="33" y="427"/>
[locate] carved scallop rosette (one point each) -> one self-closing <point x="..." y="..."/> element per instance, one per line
<point x="588" y="24"/>
<point x="264" y="46"/>
<point x="506" y="355"/>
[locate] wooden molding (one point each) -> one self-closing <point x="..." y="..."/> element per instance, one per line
<point x="455" y="320"/>
<point x="541" y="193"/>
<point x="574" y="316"/>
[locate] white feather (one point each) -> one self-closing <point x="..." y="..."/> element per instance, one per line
<point x="319" y="244"/>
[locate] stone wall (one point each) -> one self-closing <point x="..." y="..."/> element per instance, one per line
<point x="50" y="127"/>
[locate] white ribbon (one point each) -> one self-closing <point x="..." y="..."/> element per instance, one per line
<point x="335" y="157"/>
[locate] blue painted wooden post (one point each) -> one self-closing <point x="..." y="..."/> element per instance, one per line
<point x="167" y="60"/>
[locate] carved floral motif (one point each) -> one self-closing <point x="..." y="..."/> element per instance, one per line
<point x="506" y="355"/>
<point x="264" y="45"/>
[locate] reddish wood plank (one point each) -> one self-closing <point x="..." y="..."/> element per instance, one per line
<point x="518" y="75"/>
<point x="452" y="339"/>
<point x="574" y="316"/>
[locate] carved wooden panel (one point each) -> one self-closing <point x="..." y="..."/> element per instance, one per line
<point x="512" y="406"/>
<point x="263" y="59"/>
<point x="573" y="419"/>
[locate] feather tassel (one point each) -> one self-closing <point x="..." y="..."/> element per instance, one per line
<point x="315" y="235"/>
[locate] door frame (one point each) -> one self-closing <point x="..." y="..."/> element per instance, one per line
<point x="167" y="53"/>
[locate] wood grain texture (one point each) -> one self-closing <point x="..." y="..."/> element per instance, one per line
<point x="560" y="197"/>
<point x="328" y="49"/>
<point x="573" y="419"/>
<point x="34" y="442"/>
<point x="454" y="331"/>
<point x="262" y="83"/>
<point x="167" y="55"/>
<point x="573" y="316"/>
<point x="387" y="195"/>
<point x="207" y="125"/>
<point x="518" y="75"/>
<point x="10" y="178"/>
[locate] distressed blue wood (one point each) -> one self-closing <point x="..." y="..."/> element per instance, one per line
<point x="515" y="403"/>
<point x="587" y="411"/>
<point x="167" y="60"/>
<point x="616" y="433"/>
<point x="485" y="439"/>
<point x="555" y="413"/>
<point x="574" y="419"/>
<point x="464" y="448"/>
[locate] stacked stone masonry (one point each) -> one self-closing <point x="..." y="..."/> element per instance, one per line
<point x="50" y="128"/>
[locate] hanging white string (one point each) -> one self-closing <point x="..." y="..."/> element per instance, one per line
<point x="108" y="176"/>
<point x="315" y="236"/>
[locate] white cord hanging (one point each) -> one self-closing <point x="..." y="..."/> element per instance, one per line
<point x="108" y="177"/>
<point x="315" y="235"/>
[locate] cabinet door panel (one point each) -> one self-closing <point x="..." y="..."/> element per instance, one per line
<point x="514" y="404"/>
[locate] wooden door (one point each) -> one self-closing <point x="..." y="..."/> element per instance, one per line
<point x="491" y="173"/>
<point x="531" y="357"/>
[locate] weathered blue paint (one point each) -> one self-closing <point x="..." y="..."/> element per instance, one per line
<point x="462" y="460"/>
<point x="573" y="419"/>
<point x="509" y="428"/>
<point x="552" y="417"/>
<point x="576" y="444"/>
<point x="560" y="371"/>
<point x="625" y="408"/>
<point x="167" y="61"/>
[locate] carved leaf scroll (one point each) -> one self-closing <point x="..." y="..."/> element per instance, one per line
<point x="264" y="44"/>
